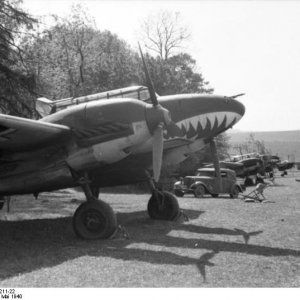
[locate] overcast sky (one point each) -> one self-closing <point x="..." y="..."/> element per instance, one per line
<point x="239" y="46"/>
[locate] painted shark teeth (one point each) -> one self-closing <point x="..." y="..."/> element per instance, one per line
<point x="220" y="118"/>
<point x="211" y="118"/>
<point x="194" y="127"/>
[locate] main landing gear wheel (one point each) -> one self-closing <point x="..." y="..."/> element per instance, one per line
<point x="94" y="220"/>
<point x="163" y="206"/>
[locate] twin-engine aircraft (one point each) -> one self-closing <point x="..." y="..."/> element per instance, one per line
<point x="94" y="142"/>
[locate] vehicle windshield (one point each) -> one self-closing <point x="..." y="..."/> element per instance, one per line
<point x="206" y="173"/>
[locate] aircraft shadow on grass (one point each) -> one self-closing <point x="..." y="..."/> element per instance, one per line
<point x="29" y="245"/>
<point x="204" y="261"/>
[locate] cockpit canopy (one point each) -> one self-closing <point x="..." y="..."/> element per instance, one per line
<point x="46" y="106"/>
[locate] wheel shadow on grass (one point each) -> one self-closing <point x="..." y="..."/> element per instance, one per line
<point x="30" y="245"/>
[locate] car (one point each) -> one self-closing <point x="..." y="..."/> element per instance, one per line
<point x="206" y="182"/>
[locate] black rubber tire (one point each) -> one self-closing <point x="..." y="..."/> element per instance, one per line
<point x="235" y="192"/>
<point x="94" y="220"/>
<point x="199" y="191"/>
<point x="169" y="210"/>
<point x="215" y="195"/>
<point x="179" y="193"/>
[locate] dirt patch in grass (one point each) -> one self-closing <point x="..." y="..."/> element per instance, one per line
<point x="225" y="243"/>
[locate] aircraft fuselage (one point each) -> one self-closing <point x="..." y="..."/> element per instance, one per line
<point x="112" y="141"/>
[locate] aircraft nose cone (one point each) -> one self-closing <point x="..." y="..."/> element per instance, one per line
<point x="203" y="116"/>
<point x="235" y="106"/>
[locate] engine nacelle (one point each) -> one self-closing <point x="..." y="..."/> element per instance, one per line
<point x="108" y="152"/>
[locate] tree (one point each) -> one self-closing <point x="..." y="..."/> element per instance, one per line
<point x="16" y="82"/>
<point x="177" y="75"/>
<point x="73" y="58"/>
<point x="163" y="33"/>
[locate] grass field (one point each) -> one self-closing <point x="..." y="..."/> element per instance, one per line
<point x="226" y="243"/>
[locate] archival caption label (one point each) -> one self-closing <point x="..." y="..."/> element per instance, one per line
<point x="10" y="294"/>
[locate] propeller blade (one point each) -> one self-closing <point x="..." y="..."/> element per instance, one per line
<point x="157" y="151"/>
<point x="149" y="81"/>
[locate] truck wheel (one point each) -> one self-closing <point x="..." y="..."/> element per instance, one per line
<point x="215" y="195"/>
<point x="235" y="192"/>
<point x="179" y="193"/>
<point x="94" y="220"/>
<point x="164" y="208"/>
<point x="199" y="191"/>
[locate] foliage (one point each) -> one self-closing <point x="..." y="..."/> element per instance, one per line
<point x="73" y="58"/>
<point x="16" y="82"/>
<point x="177" y="75"/>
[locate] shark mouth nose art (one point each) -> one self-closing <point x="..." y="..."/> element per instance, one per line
<point x="206" y="124"/>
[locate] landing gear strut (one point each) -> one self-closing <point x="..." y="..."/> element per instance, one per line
<point x="2" y="201"/>
<point x="162" y="205"/>
<point x="93" y="219"/>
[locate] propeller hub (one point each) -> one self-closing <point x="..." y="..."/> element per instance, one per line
<point x="156" y="115"/>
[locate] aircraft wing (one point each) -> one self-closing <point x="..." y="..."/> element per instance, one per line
<point x="24" y="134"/>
